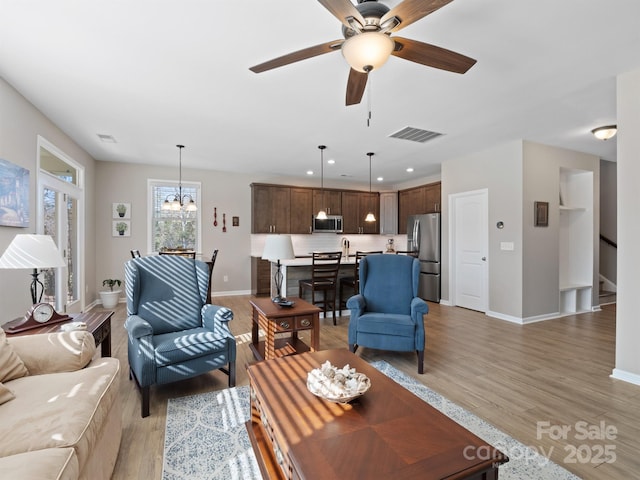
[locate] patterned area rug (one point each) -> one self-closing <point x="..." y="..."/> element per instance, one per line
<point x="206" y="437"/>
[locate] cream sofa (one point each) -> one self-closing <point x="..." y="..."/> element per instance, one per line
<point x="60" y="413"/>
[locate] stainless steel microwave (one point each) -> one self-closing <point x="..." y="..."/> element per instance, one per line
<point x="332" y="224"/>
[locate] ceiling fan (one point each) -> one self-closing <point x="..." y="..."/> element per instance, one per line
<point x="367" y="43"/>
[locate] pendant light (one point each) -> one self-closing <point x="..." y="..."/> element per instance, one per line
<point x="179" y="200"/>
<point x="370" y="216"/>
<point x="322" y="214"/>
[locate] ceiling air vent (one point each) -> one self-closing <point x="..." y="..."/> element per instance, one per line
<point x="415" y="134"/>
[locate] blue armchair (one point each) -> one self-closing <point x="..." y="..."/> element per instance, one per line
<point x="387" y="313"/>
<point x="173" y="334"/>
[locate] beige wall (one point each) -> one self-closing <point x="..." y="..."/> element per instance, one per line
<point x="627" y="319"/>
<point x="20" y="124"/>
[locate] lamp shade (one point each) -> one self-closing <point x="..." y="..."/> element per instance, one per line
<point x="278" y="247"/>
<point x="367" y="51"/>
<point x="32" y="251"/>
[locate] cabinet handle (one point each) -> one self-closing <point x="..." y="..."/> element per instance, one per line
<point x="305" y="323"/>
<point x="284" y="324"/>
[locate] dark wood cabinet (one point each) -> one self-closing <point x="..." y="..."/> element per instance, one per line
<point x="418" y="200"/>
<point x="260" y="276"/>
<point x="301" y="210"/>
<point x="271" y="209"/>
<point x="331" y="200"/>
<point x="355" y="206"/>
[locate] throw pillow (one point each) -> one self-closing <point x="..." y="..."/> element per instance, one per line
<point x="11" y="366"/>
<point x="5" y="394"/>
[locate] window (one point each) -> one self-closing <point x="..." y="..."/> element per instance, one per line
<point x="173" y="229"/>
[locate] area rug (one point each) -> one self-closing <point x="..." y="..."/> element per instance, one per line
<point x="206" y="437"/>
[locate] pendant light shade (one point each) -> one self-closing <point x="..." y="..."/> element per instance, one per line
<point x="322" y="214"/>
<point x="370" y="216"/>
<point x="179" y="202"/>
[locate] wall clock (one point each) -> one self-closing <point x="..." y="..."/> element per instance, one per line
<point x="39" y="315"/>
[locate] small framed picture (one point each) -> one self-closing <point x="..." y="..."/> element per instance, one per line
<point x="235" y="221"/>
<point x="121" y="210"/>
<point x="121" y="228"/>
<point x="541" y="214"/>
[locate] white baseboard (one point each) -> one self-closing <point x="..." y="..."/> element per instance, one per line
<point x="625" y="376"/>
<point x="524" y="321"/>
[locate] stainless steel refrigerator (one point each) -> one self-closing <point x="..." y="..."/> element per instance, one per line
<point x="423" y="238"/>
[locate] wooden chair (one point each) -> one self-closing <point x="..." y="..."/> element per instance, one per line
<point x="135" y="253"/>
<point x="353" y="281"/>
<point x="324" y="278"/>
<point x="211" y="263"/>
<point x="411" y="253"/>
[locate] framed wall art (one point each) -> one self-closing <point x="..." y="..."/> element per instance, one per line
<point x="121" y="210"/>
<point x="14" y="195"/>
<point x="541" y="214"/>
<point x="121" y="228"/>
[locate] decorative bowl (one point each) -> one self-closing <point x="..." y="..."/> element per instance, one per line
<point x="339" y="385"/>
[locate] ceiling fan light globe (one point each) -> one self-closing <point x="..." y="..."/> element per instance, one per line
<point x="367" y="51"/>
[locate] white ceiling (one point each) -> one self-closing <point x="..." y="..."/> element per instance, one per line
<point x="155" y="73"/>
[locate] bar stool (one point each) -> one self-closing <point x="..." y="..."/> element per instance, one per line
<point x="324" y="278"/>
<point x="353" y="281"/>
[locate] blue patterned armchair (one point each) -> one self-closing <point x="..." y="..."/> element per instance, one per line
<point x="387" y="313"/>
<point x="173" y="334"/>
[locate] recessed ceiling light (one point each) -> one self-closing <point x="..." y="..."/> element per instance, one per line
<point x="309" y="172"/>
<point x="106" y="138"/>
<point x="380" y="179"/>
<point x="331" y="162"/>
<point x="410" y="169"/>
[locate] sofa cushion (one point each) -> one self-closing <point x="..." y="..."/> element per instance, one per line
<point x="58" y="463"/>
<point x="54" y="352"/>
<point x="5" y="394"/>
<point x="11" y="366"/>
<point x="60" y="410"/>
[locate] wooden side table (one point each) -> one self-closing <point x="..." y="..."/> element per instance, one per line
<point x="274" y="319"/>
<point x="98" y="323"/>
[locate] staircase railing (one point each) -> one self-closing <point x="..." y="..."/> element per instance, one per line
<point x="608" y="241"/>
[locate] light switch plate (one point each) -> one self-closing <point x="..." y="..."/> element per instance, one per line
<point x="506" y="246"/>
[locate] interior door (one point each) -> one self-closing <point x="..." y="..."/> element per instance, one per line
<point x="59" y="211"/>
<point x="470" y="241"/>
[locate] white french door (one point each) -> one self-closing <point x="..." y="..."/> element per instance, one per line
<point x="60" y="204"/>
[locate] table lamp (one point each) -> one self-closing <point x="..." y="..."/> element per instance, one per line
<point x="32" y="251"/>
<point x="276" y="248"/>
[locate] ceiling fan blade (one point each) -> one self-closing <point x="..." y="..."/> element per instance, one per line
<point x="303" y="54"/>
<point x="432" y="56"/>
<point x="355" y="86"/>
<point x="342" y="10"/>
<point x="410" y="11"/>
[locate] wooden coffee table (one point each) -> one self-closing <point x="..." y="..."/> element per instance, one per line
<point x="276" y="320"/>
<point x="388" y="433"/>
<point x="98" y="323"/>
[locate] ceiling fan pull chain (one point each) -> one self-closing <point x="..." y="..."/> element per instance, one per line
<point x="369" y="100"/>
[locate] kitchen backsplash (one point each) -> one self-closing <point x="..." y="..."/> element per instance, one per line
<point x="323" y="242"/>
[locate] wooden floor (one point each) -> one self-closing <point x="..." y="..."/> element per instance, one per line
<point x="513" y="376"/>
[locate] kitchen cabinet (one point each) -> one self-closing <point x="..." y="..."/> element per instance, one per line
<point x="330" y="200"/>
<point x="301" y="210"/>
<point x="260" y="276"/>
<point x="355" y="206"/>
<point x="388" y="213"/>
<point x="271" y="208"/>
<point x="416" y="201"/>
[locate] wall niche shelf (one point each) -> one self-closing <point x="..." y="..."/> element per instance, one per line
<point x="576" y="241"/>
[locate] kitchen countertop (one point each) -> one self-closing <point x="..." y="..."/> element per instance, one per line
<point x="308" y="261"/>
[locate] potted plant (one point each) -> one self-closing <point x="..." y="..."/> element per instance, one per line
<point x="110" y="297"/>
<point x="121" y="227"/>
<point x="121" y="209"/>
